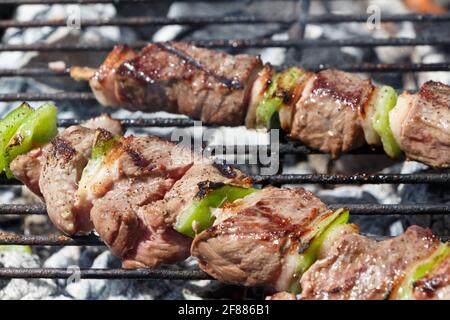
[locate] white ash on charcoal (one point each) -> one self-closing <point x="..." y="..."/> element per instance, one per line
<point x="72" y="258"/>
<point x="25" y="288"/>
<point x="93" y="257"/>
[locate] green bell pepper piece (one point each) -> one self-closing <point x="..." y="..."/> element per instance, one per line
<point x="405" y="291"/>
<point x="385" y="102"/>
<point x="103" y="144"/>
<point x="281" y="87"/>
<point x="268" y="106"/>
<point x="37" y="129"/>
<point x="198" y="216"/>
<point x="15" y="248"/>
<point x="309" y="256"/>
<point x="9" y="125"/>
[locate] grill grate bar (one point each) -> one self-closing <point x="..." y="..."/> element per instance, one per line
<point x="412" y="178"/>
<point x="355" y="209"/>
<point x="242" y="43"/>
<point x="56" y="96"/>
<point x="290" y="147"/>
<point x="144" y="21"/>
<point x="210" y="20"/>
<point x="20" y="2"/>
<point x="363" y="67"/>
<point x="344" y="18"/>
<point x="140" y="274"/>
<point x="91" y="240"/>
<point x="7" y="238"/>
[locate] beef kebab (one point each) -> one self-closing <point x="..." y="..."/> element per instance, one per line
<point x="153" y="202"/>
<point x="331" y="110"/>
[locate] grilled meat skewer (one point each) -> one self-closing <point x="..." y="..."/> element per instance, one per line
<point x="332" y="111"/>
<point x="351" y="266"/>
<point x="53" y="172"/>
<point x="135" y="189"/>
<point x="327" y="115"/>
<point x="254" y="240"/>
<point x="203" y="84"/>
<point x="375" y="269"/>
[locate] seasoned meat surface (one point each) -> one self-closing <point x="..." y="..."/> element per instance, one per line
<point x="27" y="168"/>
<point x="184" y="190"/>
<point x="361" y="268"/>
<point x="136" y="194"/>
<point x="425" y="131"/>
<point x="327" y="115"/>
<point x="201" y="83"/>
<point x="435" y="284"/>
<point x="63" y="161"/>
<point x="127" y="229"/>
<point x="53" y="172"/>
<point x="252" y="236"/>
<point x="135" y="173"/>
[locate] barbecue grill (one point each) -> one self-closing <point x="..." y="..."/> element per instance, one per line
<point x="300" y="42"/>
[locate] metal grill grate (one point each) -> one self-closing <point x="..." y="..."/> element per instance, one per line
<point x="299" y="43"/>
<point x="242" y="44"/>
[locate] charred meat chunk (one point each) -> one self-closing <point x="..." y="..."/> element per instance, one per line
<point x="252" y="238"/>
<point x="357" y="267"/>
<point x="177" y="77"/>
<point x="327" y="115"/>
<point x="421" y="124"/>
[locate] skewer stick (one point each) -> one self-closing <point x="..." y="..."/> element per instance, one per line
<point x="82" y="73"/>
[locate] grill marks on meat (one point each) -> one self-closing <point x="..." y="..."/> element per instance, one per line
<point x="137" y="172"/>
<point x="333" y="115"/>
<point x="27" y="167"/>
<point x="63" y="162"/>
<point x="436" y="284"/>
<point x="123" y="225"/>
<point x="146" y="183"/>
<point x="327" y="115"/>
<point x="61" y="171"/>
<point x="53" y="172"/>
<point x="251" y="237"/>
<point x="425" y="129"/>
<point x="201" y="83"/>
<point x="357" y="267"/>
